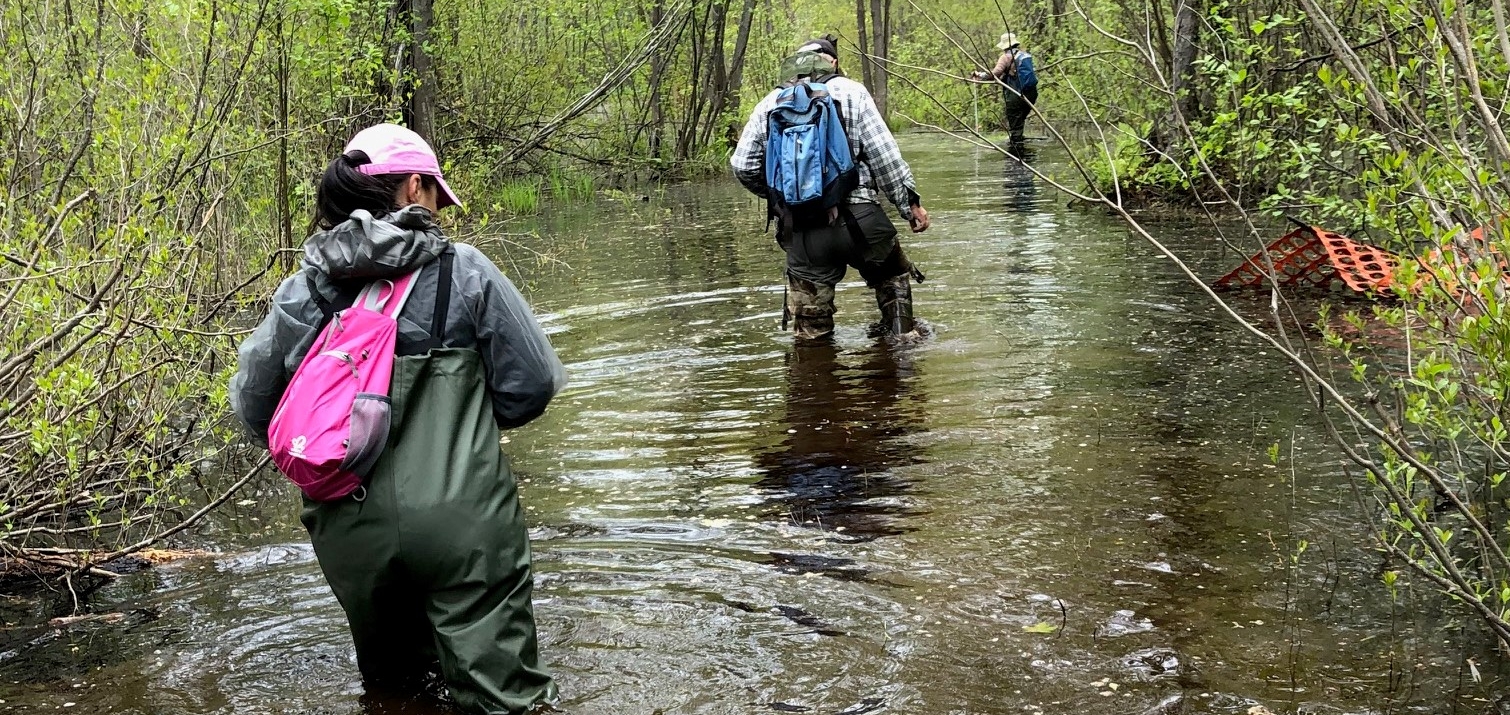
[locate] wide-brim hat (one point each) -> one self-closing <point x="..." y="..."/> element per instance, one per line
<point x="396" y="150"/>
<point x="1008" y="41"/>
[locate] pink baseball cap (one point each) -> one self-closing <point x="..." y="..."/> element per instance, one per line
<point x="396" y="150"/>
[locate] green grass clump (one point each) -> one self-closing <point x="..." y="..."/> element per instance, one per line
<point x="568" y="185"/>
<point x="520" y="196"/>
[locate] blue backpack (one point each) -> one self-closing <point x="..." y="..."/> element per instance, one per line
<point x="1026" y="77"/>
<point x="808" y="166"/>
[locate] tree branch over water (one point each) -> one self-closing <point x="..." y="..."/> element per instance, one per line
<point x="1458" y="304"/>
<point x="654" y="42"/>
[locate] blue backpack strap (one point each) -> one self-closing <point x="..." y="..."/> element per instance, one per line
<point x="845" y="176"/>
<point x="834" y="135"/>
<point x="837" y="139"/>
<point x="772" y="131"/>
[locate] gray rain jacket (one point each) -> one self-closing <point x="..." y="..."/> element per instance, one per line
<point x="486" y="313"/>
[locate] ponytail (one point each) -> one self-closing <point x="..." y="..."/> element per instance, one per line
<point x="344" y="189"/>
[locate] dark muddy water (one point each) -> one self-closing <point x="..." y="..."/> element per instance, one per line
<point x="1061" y="503"/>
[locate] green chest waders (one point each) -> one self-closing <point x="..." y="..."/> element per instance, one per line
<point x="434" y="564"/>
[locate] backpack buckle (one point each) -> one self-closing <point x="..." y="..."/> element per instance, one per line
<point x="360" y="495"/>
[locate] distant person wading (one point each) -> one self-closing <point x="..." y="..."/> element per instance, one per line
<point x="429" y="556"/>
<point x="1019" y="83"/>
<point x="819" y="151"/>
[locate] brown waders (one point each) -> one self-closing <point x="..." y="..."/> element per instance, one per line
<point x="817" y="259"/>
<point x="433" y="565"/>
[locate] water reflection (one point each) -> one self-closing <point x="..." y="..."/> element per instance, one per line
<point x="848" y="417"/>
<point x="1020" y="186"/>
<point x="429" y="700"/>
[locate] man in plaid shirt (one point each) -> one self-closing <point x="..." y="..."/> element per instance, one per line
<point x="859" y="234"/>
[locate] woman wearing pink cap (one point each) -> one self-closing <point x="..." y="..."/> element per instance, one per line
<point x="432" y="566"/>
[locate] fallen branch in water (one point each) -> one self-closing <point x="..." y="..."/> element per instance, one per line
<point x="85" y="561"/>
<point x="65" y="621"/>
<point x="193" y="518"/>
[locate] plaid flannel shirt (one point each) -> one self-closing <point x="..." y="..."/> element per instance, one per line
<point x="882" y="169"/>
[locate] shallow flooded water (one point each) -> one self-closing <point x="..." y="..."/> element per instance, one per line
<point x="1062" y="502"/>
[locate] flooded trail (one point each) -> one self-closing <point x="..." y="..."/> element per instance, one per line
<point x="1061" y="502"/>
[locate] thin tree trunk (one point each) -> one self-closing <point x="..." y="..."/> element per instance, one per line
<point x="865" y="73"/>
<point x="1187" y="31"/>
<point x="1056" y="28"/>
<point x="695" y="100"/>
<point x="391" y="81"/>
<point x="285" y="220"/>
<point x="880" y="42"/>
<point x="741" y="45"/>
<point x="422" y="95"/>
<point x="657" y="76"/>
<point x="734" y="81"/>
<point x="1161" y="33"/>
<point x="721" y="80"/>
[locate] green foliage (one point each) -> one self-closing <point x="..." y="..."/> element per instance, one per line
<point x="136" y="196"/>
<point x="1262" y="123"/>
<point x="1424" y="178"/>
<point x="683" y="110"/>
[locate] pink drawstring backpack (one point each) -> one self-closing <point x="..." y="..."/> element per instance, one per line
<point x="332" y="423"/>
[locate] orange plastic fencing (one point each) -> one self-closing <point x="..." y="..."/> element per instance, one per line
<point x="1314" y="256"/>
<point x="1362" y="267"/>
<point x="1447" y="269"/>
<point x="1296" y="256"/>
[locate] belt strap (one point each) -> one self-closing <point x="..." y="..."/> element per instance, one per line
<point x="855" y="234"/>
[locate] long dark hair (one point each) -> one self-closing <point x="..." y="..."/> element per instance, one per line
<point x="343" y="190"/>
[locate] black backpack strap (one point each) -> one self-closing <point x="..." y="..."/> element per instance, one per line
<point x="442" y="297"/>
<point x="438" y="319"/>
<point x="346" y="295"/>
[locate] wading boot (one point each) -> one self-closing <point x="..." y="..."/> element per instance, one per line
<point x="894" y="298"/>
